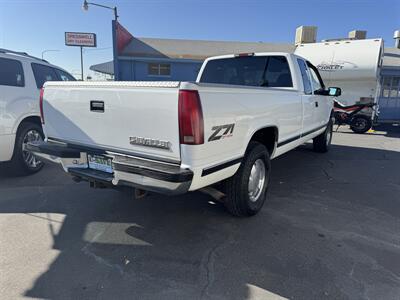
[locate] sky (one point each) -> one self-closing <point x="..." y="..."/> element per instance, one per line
<point x="36" y="25"/>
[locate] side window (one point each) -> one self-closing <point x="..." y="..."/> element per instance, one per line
<point x="64" y="76"/>
<point x="305" y="76"/>
<point x="277" y="73"/>
<point x="316" y="79"/>
<point x="43" y="73"/>
<point x="11" y="72"/>
<point x="156" y="69"/>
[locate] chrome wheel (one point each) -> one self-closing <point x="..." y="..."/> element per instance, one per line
<point x="256" y="180"/>
<point x="30" y="160"/>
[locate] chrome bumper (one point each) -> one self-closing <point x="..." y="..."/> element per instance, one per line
<point x="141" y="173"/>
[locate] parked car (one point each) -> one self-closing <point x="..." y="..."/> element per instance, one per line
<point x="174" y="137"/>
<point x="21" y="78"/>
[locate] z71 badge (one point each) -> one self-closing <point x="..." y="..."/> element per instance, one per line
<point x="221" y="132"/>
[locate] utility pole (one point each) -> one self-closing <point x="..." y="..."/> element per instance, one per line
<point x="82" y="63"/>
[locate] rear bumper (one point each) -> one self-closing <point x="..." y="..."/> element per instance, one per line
<point x="127" y="170"/>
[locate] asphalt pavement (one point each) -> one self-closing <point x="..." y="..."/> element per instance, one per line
<point x="329" y="230"/>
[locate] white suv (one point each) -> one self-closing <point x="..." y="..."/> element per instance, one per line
<point x="21" y="78"/>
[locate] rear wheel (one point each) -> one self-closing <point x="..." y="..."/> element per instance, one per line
<point x="322" y="142"/>
<point x="361" y="124"/>
<point x="246" y="190"/>
<point x="24" y="162"/>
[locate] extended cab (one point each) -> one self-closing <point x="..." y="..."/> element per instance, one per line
<point x="174" y="137"/>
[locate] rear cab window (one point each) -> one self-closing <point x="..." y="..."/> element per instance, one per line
<point x="259" y="71"/>
<point x="11" y="72"/>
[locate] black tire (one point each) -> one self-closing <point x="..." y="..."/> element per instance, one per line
<point x="19" y="165"/>
<point x="322" y="142"/>
<point x="361" y="124"/>
<point x="238" y="200"/>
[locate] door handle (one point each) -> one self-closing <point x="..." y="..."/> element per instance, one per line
<point x="316" y="103"/>
<point x="97" y="106"/>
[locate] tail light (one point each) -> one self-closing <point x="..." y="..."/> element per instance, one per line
<point x="41" y="105"/>
<point x="191" y="124"/>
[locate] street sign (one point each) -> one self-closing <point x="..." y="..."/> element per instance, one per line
<point x="80" y="39"/>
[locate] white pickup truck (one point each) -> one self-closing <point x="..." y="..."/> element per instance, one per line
<point x="174" y="137"/>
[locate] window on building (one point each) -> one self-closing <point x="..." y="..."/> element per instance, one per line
<point x="42" y="74"/>
<point x="156" y="69"/>
<point x="394" y="90"/>
<point x="386" y="83"/>
<point x="390" y="87"/>
<point x="11" y="72"/>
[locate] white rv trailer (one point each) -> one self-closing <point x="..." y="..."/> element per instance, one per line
<point x="352" y="65"/>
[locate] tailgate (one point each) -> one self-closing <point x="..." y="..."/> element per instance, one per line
<point x="138" y="118"/>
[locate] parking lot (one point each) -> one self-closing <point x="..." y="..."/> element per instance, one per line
<point x="330" y="229"/>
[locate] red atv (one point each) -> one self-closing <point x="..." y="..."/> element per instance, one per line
<point x="350" y="115"/>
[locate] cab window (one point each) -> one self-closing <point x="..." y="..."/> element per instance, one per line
<point x="316" y="79"/>
<point x="305" y="76"/>
<point x="277" y="73"/>
<point x="259" y="71"/>
<point x="236" y="71"/>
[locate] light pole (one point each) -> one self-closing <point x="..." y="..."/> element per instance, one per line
<point x="86" y="4"/>
<point x="48" y="50"/>
<point x="85" y="7"/>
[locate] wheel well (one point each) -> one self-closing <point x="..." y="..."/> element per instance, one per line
<point x="31" y="119"/>
<point x="267" y="136"/>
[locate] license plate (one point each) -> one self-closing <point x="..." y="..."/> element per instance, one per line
<point x="100" y="163"/>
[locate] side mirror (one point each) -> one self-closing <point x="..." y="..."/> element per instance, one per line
<point x="334" y="91"/>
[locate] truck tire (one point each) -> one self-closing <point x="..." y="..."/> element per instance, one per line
<point x="246" y="190"/>
<point x="24" y="162"/>
<point x="361" y="124"/>
<point x="322" y="142"/>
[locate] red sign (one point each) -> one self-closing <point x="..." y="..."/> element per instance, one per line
<point x="123" y="37"/>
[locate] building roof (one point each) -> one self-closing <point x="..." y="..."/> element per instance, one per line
<point x="391" y="57"/>
<point x="105" y="68"/>
<point x="195" y="49"/>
